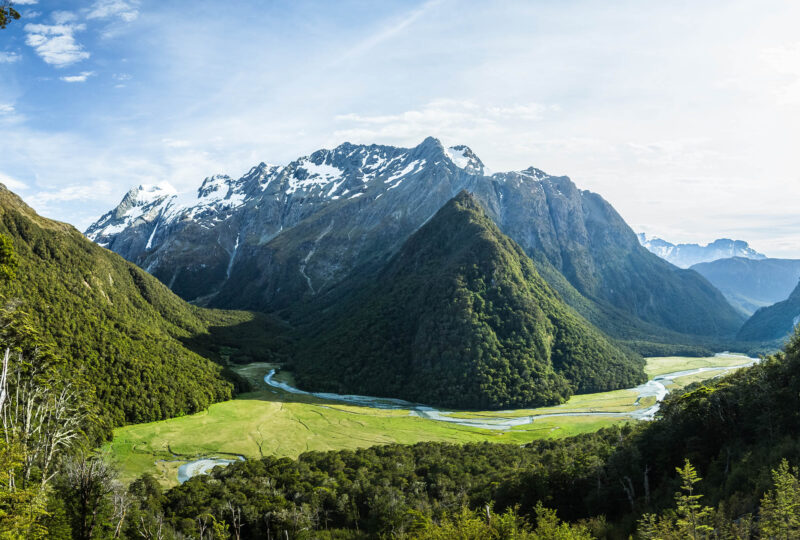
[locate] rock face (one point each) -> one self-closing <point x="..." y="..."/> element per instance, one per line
<point x="751" y="284"/>
<point x="687" y="255"/>
<point x="774" y="323"/>
<point x="283" y="235"/>
<point x="460" y="317"/>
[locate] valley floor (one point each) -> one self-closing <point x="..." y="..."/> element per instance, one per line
<point x="273" y="421"/>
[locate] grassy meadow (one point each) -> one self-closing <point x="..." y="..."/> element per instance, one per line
<point x="269" y="421"/>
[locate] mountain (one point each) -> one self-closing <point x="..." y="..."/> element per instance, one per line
<point x="459" y="317"/>
<point x="143" y="353"/>
<point x="775" y="322"/>
<point x="750" y="284"/>
<point x="687" y="255"/>
<point x="281" y="236"/>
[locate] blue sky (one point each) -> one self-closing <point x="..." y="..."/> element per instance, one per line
<point x="684" y="115"/>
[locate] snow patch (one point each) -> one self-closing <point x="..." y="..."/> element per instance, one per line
<point x="315" y="175"/>
<point x="408" y="169"/>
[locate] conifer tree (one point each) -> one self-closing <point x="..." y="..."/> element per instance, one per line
<point x="780" y="507"/>
<point x="693" y="518"/>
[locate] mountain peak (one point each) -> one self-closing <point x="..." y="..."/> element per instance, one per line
<point x="536" y="174"/>
<point x="464" y="158"/>
<point x="431" y="142"/>
<point x="145" y="193"/>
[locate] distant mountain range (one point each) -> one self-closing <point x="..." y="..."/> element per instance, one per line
<point x="687" y="255"/>
<point x="750" y="284"/>
<point x="286" y="239"/>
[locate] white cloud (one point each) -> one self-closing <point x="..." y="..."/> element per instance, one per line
<point x="56" y="44"/>
<point x="63" y="17"/>
<point x="74" y="192"/>
<point x="176" y="143"/>
<point x="12" y="183"/>
<point x="6" y="108"/>
<point x="785" y="61"/>
<point x="459" y="121"/>
<point x="25" y="2"/>
<point x="78" y="78"/>
<point x="9" y="57"/>
<point x="104" y="9"/>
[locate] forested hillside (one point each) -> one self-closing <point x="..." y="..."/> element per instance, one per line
<point x="144" y="353"/>
<point x="460" y="317"/>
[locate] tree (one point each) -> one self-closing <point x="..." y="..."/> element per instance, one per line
<point x="7" y="13"/>
<point x="22" y="507"/>
<point x="89" y="481"/>
<point x="693" y="518"/>
<point x="8" y="260"/>
<point x="44" y="415"/>
<point x="780" y="507"/>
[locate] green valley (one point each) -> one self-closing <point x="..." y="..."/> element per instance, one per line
<point x="270" y="421"/>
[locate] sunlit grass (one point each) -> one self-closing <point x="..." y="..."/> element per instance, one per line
<point x="273" y="422"/>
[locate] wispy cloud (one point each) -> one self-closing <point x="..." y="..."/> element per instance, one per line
<point x="75" y="192"/>
<point x="785" y="61"/>
<point x="9" y="57"/>
<point x="12" y="183"/>
<point x="56" y="44"/>
<point x="25" y="2"/>
<point x="6" y="108"/>
<point x="104" y="9"/>
<point x="388" y="31"/>
<point x="455" y="120"/>
<point x="63" y="17"/>
<point x="81" y="77"/>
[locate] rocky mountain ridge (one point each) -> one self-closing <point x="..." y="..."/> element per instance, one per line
<point x="283" y="235"/>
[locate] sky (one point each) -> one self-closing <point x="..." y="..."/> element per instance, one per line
<point x="684" y="115"/>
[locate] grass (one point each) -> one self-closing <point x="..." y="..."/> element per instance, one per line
<point x="271" y="422"/>
<point x="669" y="364"/>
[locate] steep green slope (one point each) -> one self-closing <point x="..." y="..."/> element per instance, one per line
<point x="775" y="322"/>
<point x="146" y="353"/>
<point x="750" y="284"/>
<point x="460" y="317"/>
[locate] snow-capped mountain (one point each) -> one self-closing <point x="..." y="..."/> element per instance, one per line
<point x="686" y="255"/>
<point x="280" y="235"/>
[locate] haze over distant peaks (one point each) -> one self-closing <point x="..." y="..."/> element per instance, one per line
<point x="686" y="255"/>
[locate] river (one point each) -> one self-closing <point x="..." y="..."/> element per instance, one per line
<point x="655" y="387"/>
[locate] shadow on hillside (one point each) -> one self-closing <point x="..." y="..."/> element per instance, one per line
<point x="260" y="339"/>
